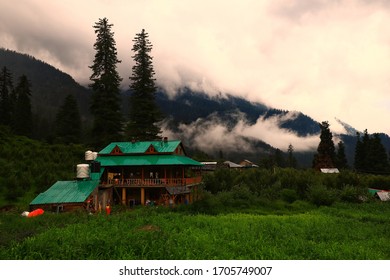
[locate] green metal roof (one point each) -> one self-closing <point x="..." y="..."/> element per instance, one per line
<point x="146" y="160"/>
<point x="66" y="192"/>
<point x="140" y="147"/>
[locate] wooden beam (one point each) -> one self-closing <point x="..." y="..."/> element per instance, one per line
<point x="124" y="196"/>
<point x="142" y="196"/>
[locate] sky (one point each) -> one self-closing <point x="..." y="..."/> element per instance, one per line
<point x="326" y="58"/>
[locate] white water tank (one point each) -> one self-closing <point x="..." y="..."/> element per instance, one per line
<point x="89" y="155"/>
<point x="94" y="155"/>
<point x="82" y="171"/>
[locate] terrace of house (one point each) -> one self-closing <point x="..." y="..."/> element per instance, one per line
<point x="151" y="176"/>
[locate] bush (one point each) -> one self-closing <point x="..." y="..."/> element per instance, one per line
<point x="347" y="177"/>
<point x="209" y="204"/>
<point x="221" y="180"/>
<point x="351" y="194"/>
<point x="322" y="196"/>
<point x="289" y="195"/>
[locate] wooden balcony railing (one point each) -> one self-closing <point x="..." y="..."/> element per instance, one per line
<point x="169" y="182"/>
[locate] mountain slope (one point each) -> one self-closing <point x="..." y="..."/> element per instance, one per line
<point x="221" y="124"/>
<point x="50" y="86"/>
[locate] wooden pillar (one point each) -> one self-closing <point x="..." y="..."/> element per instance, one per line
<point x="124" y="196"/>
<point x="142" y="196"/>
<point x="183" y="176"/>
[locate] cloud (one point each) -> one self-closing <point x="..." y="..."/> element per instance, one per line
<point x="325" y="58"/>
<point x="213" y="133"/>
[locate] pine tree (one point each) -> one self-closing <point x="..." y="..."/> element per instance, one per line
<point x="6" y="96"/>
<point x="370" y="154"/>
<point x="68" y="122"/>
<point x="341" y="158"/>
<point x="291" y="160"/>
<point x="105" y="107"/>
<point x="377" y="156"/>
<point x="325" y="157"/>
<point x="359" y="153"/>
<point x="22" y="120"/>
<point x="144" y="113"/>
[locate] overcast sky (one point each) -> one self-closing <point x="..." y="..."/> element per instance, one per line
<point x="326" y="58"/>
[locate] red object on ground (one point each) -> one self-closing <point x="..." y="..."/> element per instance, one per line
<point x="35" y="213"/>
<point x="108" y="210"/>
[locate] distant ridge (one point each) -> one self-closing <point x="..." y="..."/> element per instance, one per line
<point x="50" y="86"/>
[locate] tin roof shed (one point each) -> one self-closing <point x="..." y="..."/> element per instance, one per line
<point x="66" y="192"/>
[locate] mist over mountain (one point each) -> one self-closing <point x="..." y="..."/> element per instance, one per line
<point x="220" y="125"/>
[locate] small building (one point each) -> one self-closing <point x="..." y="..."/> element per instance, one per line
<point x="128" y="173"/>
<point x="383" y="195"/>
<point x="209" y="165"/>
<point x="67" y="196"/>
<point x="232" y="165"/>
<point x="329" y="170"/>
<point x="247" y="164"/>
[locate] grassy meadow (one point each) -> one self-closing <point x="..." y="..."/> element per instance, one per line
<point x="343" y="231"/>
<point x="259" y="213"/>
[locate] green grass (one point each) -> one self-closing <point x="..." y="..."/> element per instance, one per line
<point x="342" y="231"/>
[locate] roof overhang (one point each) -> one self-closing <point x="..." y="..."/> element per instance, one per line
<point x="146" y="160"/>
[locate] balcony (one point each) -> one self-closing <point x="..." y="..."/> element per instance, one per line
<point x="159" y="183"/>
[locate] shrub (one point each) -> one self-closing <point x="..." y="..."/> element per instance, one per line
<point x="321" y="195"/>
<point x="289" y="195"/>
<point x="351" y="194"/>
<point x="209" y="204"/>
<point x="221" y="180"/>
<point x="347" y="177"/>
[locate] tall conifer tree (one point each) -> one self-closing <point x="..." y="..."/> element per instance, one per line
<point x="144" y="113"/>
<point x="6" y="94"/>
<point x="68" y="122"/>
<point x="341" y="158"/>
<point x="105" y="107"/>
<point x="22" y="120"/>
<point x="325" y="157"/>
<point x="370" y="154"/>
<point x="291" y="160"/>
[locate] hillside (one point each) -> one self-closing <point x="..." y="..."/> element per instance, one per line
<point x="49" y="88"/>
<point x="223" y="124"/>
<point x="28" y="166"/>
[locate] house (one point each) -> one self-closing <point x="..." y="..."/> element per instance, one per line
<point x="128" y="173"/>
<point x="232" y="165"/>
<point x="247" y="164"/>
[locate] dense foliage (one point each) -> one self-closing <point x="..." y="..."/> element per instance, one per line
<point x="254" y="187"/>
<point x="6" y="100"/>
<point x="370" y="154"/>
<point x="68" y="122"/>
<point x="15" y="103"/>
<point x="22" y="119"/>
<point x="28" y="167"/>
<point x="49" y="87"/>
<point x="144" y="112"/>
